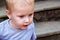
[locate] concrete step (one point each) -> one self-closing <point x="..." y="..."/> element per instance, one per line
<point x="44" y="29"/>
<point x="46" y="5"/>
<point x="2" y="11"/>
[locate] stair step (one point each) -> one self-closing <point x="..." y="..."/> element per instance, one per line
<point x="44" y="29"/>
<point x="46" y="5"/>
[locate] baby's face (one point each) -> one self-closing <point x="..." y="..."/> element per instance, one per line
<point x="22" y="16"/>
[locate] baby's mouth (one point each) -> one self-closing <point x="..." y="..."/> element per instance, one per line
<point x="25" y="25"/>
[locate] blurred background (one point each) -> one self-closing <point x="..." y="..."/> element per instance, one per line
<point x="46" y="18"/>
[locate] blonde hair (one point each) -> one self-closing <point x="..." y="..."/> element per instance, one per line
<point x="9" y="3"/>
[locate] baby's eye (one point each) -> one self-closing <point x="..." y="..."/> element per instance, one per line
<point x="30" y="14"/>
<point x="21" y="16"/>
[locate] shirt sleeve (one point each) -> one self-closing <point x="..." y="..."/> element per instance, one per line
<point x="34" y="34"/>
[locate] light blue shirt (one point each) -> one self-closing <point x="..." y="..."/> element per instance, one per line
<point x="7" y="32"/>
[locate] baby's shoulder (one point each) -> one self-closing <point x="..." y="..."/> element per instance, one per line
<point x="1" y="28"/>
<point x="2" y="24"/>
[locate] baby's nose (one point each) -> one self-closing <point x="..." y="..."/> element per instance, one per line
<point x="26" y="20"/>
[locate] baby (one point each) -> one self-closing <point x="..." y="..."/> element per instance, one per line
<point x="20" y="25"/>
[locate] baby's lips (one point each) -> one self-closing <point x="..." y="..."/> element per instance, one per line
<point x="25" y="25"/>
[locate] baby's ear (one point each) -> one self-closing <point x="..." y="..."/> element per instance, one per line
<point x="8" y="13"/>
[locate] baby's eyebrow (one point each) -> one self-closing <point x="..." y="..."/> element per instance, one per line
<point x="24" y="14"/>
<point x="30" y="13"/>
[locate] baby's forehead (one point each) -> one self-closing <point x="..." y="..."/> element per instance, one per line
<point x="15" y="1"/>
<point x="19" y="4"/>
